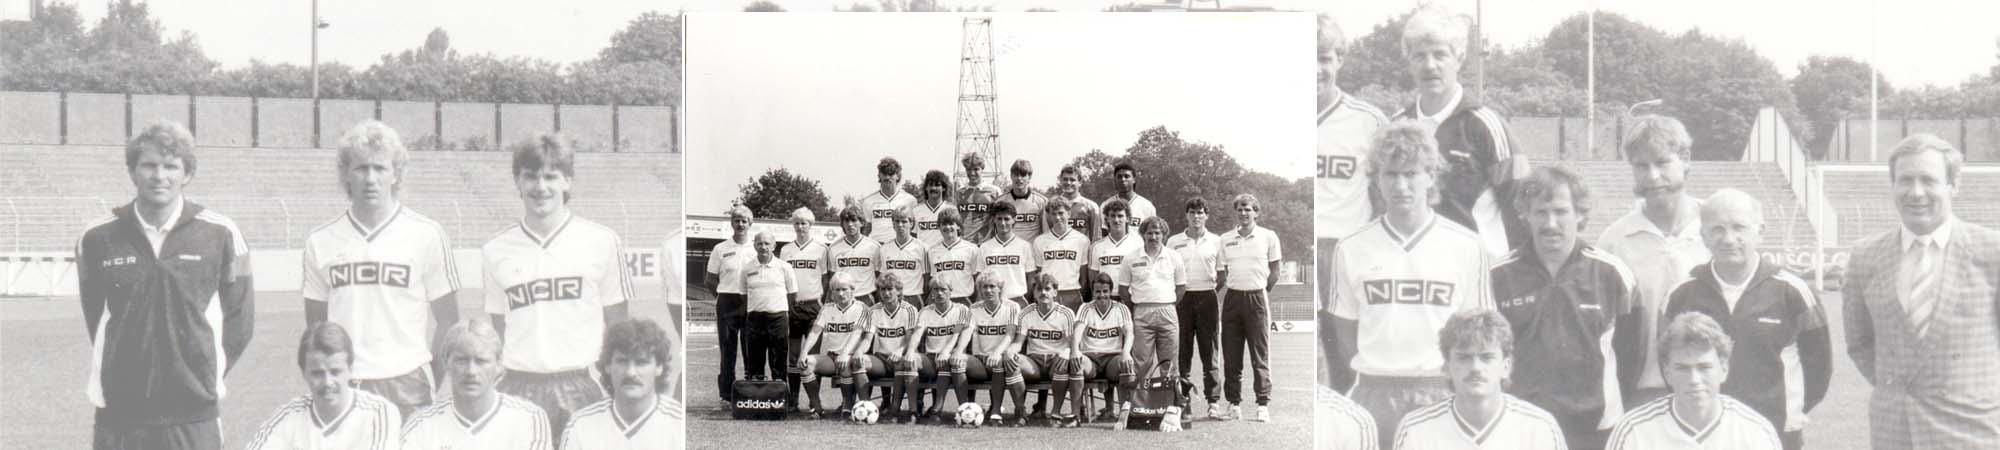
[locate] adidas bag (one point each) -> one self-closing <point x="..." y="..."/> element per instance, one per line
<point x="1155" y="400"/>
<point x="759" y="400"/>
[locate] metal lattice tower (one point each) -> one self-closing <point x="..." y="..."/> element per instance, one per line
<point x="978" y="114"/>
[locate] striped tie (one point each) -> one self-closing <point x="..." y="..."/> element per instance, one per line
<point x="1921" y="274"/>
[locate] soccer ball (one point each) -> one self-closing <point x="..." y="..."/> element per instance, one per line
<point x="864" y="413"/>
<point x="970" y="415"/>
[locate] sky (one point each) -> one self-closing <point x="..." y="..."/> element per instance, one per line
<point x="827" y="95"/>
<point x="1939" y="42"/>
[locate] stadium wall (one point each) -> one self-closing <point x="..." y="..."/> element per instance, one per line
<point x="79" y="118"/>
<point x="54" y="274"/>
<point x="1979" y="138"/>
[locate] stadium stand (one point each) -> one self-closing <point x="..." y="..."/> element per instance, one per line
<point x="52" y="192"/>
<point x="1863" y="200"/>
<point x="1784" y="219"/>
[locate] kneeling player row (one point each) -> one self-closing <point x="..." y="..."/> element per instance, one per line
<point x="949" y="346"/>
<point x="335" y="414"/>
<point x="1478" y="348"/>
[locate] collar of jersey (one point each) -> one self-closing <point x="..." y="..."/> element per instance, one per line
<point x="1698" y="433"/>
<point x="475" y="425"/>
<point x="1411" y="240"/>
<point x="544" y="241"/>
<point x="1479" y="433"/>
<point x="370" y="234"/>
<point x="632" y="428"/>
<point x="326" y="426"/>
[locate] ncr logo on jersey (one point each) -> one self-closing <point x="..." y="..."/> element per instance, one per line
<point x="1103" y="333"/>
<point x="1003" y="260"/>
<point x="973" y="208"/>
<point x="947" y="266"/>
<point x="1409" y="292"/>
<point x="1046" y="335"/>
<point x="941" y="331"/>
<point x="892" y="332"/>
<point x="368" y="273"/>
<point x="927" y="226"/>
<point x="884" y="213"/>
<point x="840" y="327"/>
<point x="807" y="264"/>
<point x="854" y="262"/>
<point x="1111" y="260"/>
<point x="895" y="264"/>
<point x="544" y="290"/>
<point x="991" y="330"/>
<point x="1028" y="218"/>
<point x="1338" y="166"/>
<point x="1059" y="255"/>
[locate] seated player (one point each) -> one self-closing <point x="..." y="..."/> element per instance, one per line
<point x="1049" y="331"/>
<point x="892" y="326"/>
<point x="837" y="333"/>
<point x="476" y="415"/>
<point x="941" y="321"/>
<point x="1694" y="354"/>
<point x="1341" y="424"/>
<point x="987" y="353"/>
<point x="331" y="414"/>
<point x="634" y="365"/>
<point x="1103" y="348"/>
<point x="1478" y="348"/>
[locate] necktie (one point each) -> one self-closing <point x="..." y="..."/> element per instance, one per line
<point x="1921" y="271"/>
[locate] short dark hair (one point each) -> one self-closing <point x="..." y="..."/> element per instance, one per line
<point x="1124" y="166"/>
<point x="1021" y="167"/>
<point x="1117" y="205"/>
<point x="326" y="338"/>
<point x="164" y="138"/>
<point x="1197" y="204"/>
<point x="1002" y="209"/>
<point x="889" y="166"/>
<point x="1540" y="185"/>
<point x="948" y="217"/>
<point x="544" y="151"/>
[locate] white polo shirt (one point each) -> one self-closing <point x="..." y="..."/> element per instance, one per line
<point x="1062" y="257"/>
<point x="1201" y="256"/>
<point x="553" y="290"/>
<point x="1248" y="258"/>
<point x="1012" y="259"/>
<point x="766" y="284"/>
<point x="858" y="260"/>
<point x="726" y="261"/>
<point x="1108" y="256"/>
<point x="1153" y="278"/>
<point x="953" y="265"/>
<point x="906" y="262"/>
<point x="1661" y="261"/>
<point x="806" y="258"/>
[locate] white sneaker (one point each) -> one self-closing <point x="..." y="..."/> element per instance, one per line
<point x="1218" y="411"/>
<point x="1263" y="413"/>
<point x="1235" y="412"/>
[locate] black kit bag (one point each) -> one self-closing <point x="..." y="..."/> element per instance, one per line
<point x="758" y="400"/>
<point x="1154" y="399"/>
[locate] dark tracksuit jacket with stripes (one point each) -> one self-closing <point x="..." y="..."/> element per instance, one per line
<point x="1572" y="329"/>
<point x="1782" y="359"/>
<point x="164" y="328"/>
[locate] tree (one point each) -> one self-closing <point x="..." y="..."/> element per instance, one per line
<point x="763" y="6"/>
<point x="1376" y="59"/>
<point x="1172" y="170"/>
<point x="651" y="37"/>
<point x="1830" y="89"/>
<point x="437" y="43"/>
<point x="778" y="192"/>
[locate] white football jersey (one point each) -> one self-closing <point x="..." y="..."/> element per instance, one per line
<point x="1341" y="424"/>
<point x="512" y="424"/>
<point x="1012" y="259"/>
<point x="1062" y="257"/>
<point x="1519" y="426"/>
<point x="906" y="262"/>
<point x="953" y="265"/>
<point x="806" y="258"/>
<point x="858" y="260"/>
<point x="1340" y="191"/>
<point x="880" y="210"/>
<point x="1108" y="256"/>
<point x="370" y="422"/>
<point x="1402" y="290"/>
<point x="378" y="284"/>
<point x="1655" y="426"/>
<point x="553" y="290"/>
<point x="1202" y="256"/>
<point x="927" y="220"/>
<point x="599" y="427"/>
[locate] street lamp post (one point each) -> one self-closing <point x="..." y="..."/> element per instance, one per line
<point x="316" y="25"/>
<point x="1629" y="110"/>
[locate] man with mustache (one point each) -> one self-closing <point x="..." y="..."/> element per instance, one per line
<point x="333" y="414"/>
<point x="477" y="415"/>
<point x="1401" y="278"/>
<point x="1783" y="355"/>
<point x="167" y="302"/>
<point x="1660" y="239"/>
<point x="634" y="362"/>
<point x="1472" y="138"/>
<point x="1695" y="354"/>
<point x="384" y="271"/>
<point x="1920" y="311"/>
<point x="1571" y="306"/>
<point x="1478" y="348"/>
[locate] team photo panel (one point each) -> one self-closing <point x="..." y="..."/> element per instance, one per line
<point x="1643" y="269"/>
<point x="1002" y="231"/>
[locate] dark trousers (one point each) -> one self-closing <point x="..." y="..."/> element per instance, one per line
<point x="1200" y="319"/>
<point x="203" y="435"/>
<point x="1246" y="325"/>
<point x="764" y="342"/>
<point x="729" y="329"/>
<point x="1792" y="440"/>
